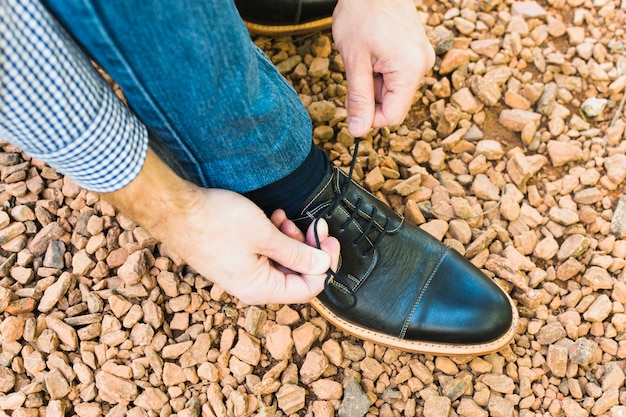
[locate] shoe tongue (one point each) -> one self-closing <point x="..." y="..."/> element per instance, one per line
<point x="368" y="203"/>
<point x="332" y="186"/>
<point x="324" y="192"/>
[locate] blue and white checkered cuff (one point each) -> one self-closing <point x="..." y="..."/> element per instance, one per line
<point x="109" y="154"/>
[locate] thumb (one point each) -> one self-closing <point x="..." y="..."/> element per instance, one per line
<point x="361" y="98"/>
<point x="295" y="255"/>
<point x="328" y="244"/>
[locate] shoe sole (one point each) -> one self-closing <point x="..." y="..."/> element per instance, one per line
<point x="446" y="349"/>
<point x="286" y="30"/>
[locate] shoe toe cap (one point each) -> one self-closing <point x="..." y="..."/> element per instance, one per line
<point x="460" y="306"/>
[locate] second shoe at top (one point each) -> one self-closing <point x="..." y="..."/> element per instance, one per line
<point x="286" y="17"/>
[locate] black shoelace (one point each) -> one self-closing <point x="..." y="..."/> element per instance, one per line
<point x="330" y="274"/>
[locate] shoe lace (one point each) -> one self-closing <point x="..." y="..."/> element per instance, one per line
<point x="330" y="274"/>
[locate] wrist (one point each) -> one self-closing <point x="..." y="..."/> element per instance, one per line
<point x="155" y="197"/>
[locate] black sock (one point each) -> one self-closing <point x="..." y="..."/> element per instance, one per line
<point x="291" y="191"/>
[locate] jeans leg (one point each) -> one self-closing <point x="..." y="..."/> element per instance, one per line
<point x="225" y="116"/>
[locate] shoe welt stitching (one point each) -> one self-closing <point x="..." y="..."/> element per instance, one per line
<point x="405" y="327"/>
<point x="417" y="346"/>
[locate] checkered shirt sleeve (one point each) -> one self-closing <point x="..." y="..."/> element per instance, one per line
<point x="57" y="108"/>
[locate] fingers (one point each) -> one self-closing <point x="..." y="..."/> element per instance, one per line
<point x="331" y="246"/>
<point x="322" y="232"/>
<point x="280" y="220"/>
<point x="328" y="243"/>
<point x="394" y="102"/>
<point x="386" y="54"/>
<point x="360" y="102"/>
<point x="301" y="288"/>
<point x="296" y="289"/>
<point x="294" y="254"/>
<point x="292" y="276"/>
<point x="278" y="217"/>
<point x="377" y="99"/>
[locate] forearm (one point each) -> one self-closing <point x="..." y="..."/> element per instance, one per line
<point x="154" y="196"/>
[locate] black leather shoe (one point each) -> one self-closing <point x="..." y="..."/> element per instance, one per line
<point x="286" y="17"/>
<point x="398" y="286"/>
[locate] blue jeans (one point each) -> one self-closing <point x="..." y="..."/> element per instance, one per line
<point x="224" y="117"/>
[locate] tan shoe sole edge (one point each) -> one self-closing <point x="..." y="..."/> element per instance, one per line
<point x="286" y="30"/>
<point x="415" y="346"/>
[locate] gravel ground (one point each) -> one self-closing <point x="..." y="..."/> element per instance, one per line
<point x="513" y="154"/>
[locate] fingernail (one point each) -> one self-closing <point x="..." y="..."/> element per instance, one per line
<point x="355" y="124"/>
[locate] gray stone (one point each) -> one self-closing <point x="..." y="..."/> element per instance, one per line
<point x="442" y="39"/>
<point x="42" y="239"/>
<point x="546" y="101"/>
<point x="593" y="107"/>
<point x="581" y="352"/>
<point x="486" y="91"/>
<point x="355" y="402"/>
<point x="618" y="222"/>
<point x="54" y="257"/>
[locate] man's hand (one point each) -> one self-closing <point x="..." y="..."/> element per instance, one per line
<point x="386" y="54"/>
<point x="227" y="238"/>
